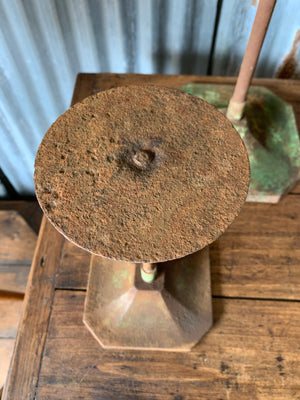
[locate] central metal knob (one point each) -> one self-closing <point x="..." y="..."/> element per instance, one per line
<point x="143" y="159"/>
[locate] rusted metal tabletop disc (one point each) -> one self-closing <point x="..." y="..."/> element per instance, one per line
<point x="143" y="174"/>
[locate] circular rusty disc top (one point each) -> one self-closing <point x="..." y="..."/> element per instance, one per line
<point x="142" y="173"/>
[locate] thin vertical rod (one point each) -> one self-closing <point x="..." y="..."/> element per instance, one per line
<point x="260" y="25"/>
<point x="148" y="272"/>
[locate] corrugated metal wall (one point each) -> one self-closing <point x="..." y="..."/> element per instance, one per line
<point x="45" y="43"/>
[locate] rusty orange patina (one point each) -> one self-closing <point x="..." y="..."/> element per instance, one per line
<point x="142" y="174"/>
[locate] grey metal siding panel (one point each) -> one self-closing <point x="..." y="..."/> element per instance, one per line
<point x="234" y="29"/>
<point x="280" y="36"/>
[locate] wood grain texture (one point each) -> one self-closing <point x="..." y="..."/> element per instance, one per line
<point x="85" y="86"/>
<point x="73" y="268"/>
<point x="88" y="84"/>
<point x="6" y="349"/>
<point x="252" y="352"/>
<point x="23" y="375"/>
<point x="17" y="244"/>
<point x="17" y="239"/>
<point x="29" y="210"/>
<point x="13" y="278"/>
<point x="259" y="255"/>
<point x="10" y="312"/>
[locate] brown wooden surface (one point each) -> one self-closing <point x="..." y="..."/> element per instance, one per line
<point x="15" y="233"/>
<point x="17" y="244"/>
<point x="29" y="210"/>
<point x="252" y="351"/>
<point x="25" y="366"/>
<point x="10" y="312"/>
<point x="13" y="278"/>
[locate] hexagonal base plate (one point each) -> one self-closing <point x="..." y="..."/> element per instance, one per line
<point x="270" y="134"/>
<point x="172" y="313"/>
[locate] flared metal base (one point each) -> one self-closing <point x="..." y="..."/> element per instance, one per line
<point x="171" y="313"/>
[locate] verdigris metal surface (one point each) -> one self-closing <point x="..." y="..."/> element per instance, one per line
<point x="270" y="134"/>
<point x="143" y="174"/>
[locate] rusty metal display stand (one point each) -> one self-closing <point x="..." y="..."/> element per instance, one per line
<point x="144" y="178"/>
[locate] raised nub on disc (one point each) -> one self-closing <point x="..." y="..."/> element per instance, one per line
<point x="142" y="159"/>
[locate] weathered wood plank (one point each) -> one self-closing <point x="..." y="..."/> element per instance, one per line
<point x="17" y="239"/>
<point x="23" y="376"/>
<point x="252" y="352"/>
<point x="92" y="83"/>
<point x="13" y="278"/>
<point x="84" y="87"/>
<point x="11" y="296"/>
<point x="10" y="312"/>
<point x="17" y="244"/>
<point x="258" y="256"/>
<point x="73" y="268"/>
<point x="29" y="210"/>
<point x="6" y="349"/>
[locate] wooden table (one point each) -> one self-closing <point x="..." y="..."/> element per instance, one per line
<point x="252" y="351"/>
<point x="19" y="225"/>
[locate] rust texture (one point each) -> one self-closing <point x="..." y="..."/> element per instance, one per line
<point x="257" y="36"/>
<point x="143" y="174"/>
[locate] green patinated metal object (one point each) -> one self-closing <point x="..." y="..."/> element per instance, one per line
<point x="270" y="134"/>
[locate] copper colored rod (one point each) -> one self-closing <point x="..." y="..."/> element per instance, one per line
<point x="260" y="25"/>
